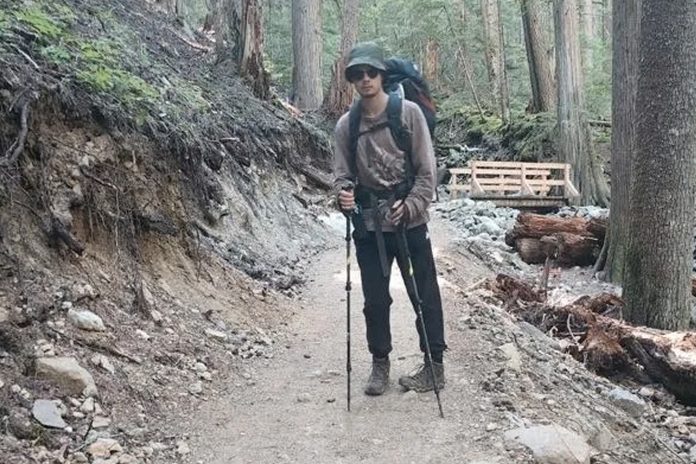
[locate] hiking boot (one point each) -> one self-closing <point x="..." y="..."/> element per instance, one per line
<point x="421" y="381"/>
<point x="379" y="377"/>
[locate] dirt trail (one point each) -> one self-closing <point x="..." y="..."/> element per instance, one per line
<point x="294" y="410"/>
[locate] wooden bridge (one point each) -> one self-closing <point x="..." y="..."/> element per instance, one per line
<point x="515" y="184"/>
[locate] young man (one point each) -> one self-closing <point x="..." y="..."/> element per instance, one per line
<point x="385" y="187"/>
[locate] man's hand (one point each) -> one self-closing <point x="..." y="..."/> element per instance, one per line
<point x="398" y="213"/>
<point x="346" y="200"/>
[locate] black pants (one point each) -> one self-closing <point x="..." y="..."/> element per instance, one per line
<point x="376" y="289"/>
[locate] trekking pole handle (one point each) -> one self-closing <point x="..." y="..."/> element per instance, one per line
<point x="348" y="213"/>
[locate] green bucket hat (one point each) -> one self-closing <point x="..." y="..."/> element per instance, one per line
<point x="367" y="53"/>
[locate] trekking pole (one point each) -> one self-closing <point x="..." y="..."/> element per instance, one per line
<point x="348" y="288"/>
<point x="419" y="311"/>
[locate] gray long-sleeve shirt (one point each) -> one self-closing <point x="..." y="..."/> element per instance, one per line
<point x="381" y="165"/>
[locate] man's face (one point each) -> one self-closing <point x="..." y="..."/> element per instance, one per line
<point x="366" y="79"/>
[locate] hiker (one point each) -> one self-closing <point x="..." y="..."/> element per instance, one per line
<point x="385" y="185"/>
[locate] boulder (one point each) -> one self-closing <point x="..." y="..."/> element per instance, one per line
<point x="86" y="320"/>
<point x="67" y="373"/>
<point x="553" y="444"/>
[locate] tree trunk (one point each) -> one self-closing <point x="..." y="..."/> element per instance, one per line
<point x="249" y="46"/>
<point x="587" y="33"/>
<point x="535" y="22"/>
<point x="340" y="91"/>
<point x="495" y="56"/>
<point x="431" y="70"/>
<point x="658" y="272"/>
<point x="307" y="50"/>
<point x="575" y="146"/>
<point x="239" y="40"/>
<point x="626" y="17"/>
<point x="606" y="26"/>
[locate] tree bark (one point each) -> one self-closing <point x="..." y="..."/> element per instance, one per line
<point x="575" y="146"/>
<point x="535" y="22"/>
<point x="239" y="39"/>
<point x="587" y="33"/>
<point x="431" y="69"/>
<point x="249" y="46"/>
<point x="606" y="31"/>
<point x="626" y="17"/>
<point x="495" y="56"/>
<point x="657" y="284"/>
<point x="340" y="91"/>
<point x="307" y="51"/>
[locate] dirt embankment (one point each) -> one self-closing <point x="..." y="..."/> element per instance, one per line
<point x="154" y="220"/>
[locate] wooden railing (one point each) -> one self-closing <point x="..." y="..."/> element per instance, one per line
<point x="503" y="179"/>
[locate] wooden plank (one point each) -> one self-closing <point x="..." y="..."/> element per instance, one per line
<point x="522" y="202"/>
<point x="511" y="172"/>
<point x="517" y="165"/>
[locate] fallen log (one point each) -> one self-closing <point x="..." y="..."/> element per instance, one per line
<point x="571" y="249"/>
<point x="565" y="249"/>
<point x="607" y="345"/>
<point x="531" y="225"/>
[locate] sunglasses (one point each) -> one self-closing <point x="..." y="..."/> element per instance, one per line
<point x="357" y="74"/>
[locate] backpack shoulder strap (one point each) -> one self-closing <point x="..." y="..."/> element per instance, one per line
<point x="354" y="116"/>
<point x="398" y="129"/>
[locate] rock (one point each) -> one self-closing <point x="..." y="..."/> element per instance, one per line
<point x="156" y="316"/>
<point x="85" y="291"/>
<point x="142" y="334"/>
<point x="48" y="414"/>
<point x="553" y="444"/>
<point x="216" y="335"/>
<point x="182" y="448"/>
<point x="304" y="398"/>
<point x="514" y="361"/>
<point x="86" y="320"/>
<point x="196" y="388"/>
<point x="629" y="402"/>
<point x="4" y="315"/>
<point x="603" y="439"/>
<point x="102" y="361"/>
<point x="101" y="422"/>
<point x="68" y="373"/>
<point x="200" y="367"/>
<point x="80" y="458"/>
<point x="104" y="448"/>
<point x="491" y="427"/>
<point x="88" y="406"/>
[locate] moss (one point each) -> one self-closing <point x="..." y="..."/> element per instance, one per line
<point x="101" y="52"/>
<point x="126" y="87"/>
<point x="530" y="136"/>
<point x="44" y="26"/>
<point x="57" y="54"/>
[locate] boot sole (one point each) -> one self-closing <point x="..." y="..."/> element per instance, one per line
<point x="421" y="390"/>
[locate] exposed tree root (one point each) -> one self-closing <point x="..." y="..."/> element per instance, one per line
<point x="605" y="343"/>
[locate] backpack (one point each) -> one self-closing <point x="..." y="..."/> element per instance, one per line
<point x="400" y="75"/>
